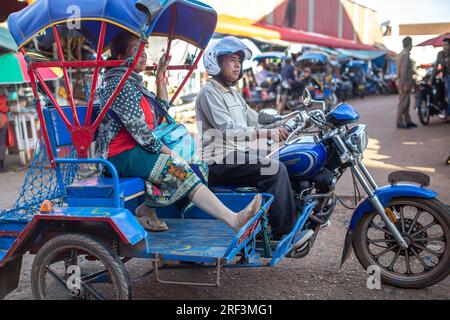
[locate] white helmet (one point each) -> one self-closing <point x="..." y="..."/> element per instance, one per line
<point x="225" y="46"/>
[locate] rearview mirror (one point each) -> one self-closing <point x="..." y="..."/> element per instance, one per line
<point x="306" y="98"/>
<point x="150" y="7"/>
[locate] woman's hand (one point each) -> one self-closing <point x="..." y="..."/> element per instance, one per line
<point x="163" y="64"/>
<point x="161" y="83"/>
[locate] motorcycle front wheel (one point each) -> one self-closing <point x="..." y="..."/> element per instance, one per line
<point x="425" y="225"/>
<point x="424" y="113"/>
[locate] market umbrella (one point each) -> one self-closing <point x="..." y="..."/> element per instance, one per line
<point x="14" y="70"/>
<point x="436" y="42"/>
<point x="7" y="43"/>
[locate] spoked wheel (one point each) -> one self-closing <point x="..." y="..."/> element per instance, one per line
<point x="424" y="113"/>
<point x="425" y="225"/>
<point x="76" y="266"/>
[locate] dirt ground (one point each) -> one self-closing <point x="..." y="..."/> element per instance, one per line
<point x="316" y="276"/>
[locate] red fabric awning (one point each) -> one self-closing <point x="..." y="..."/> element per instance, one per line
<point x="293" y="35"/>
<point x="436" y="42"/>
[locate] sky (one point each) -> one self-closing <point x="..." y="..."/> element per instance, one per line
<point x="410" y="11"/>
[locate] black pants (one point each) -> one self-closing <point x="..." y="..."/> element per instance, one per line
<point x="3" y="135"/>
<point x="269" y="176"/>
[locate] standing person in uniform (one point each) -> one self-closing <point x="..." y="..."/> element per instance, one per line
<point x="404" y="84"/>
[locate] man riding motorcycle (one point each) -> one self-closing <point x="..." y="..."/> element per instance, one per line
<point x="226" y="124"/>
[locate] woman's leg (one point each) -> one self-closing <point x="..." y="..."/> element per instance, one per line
<point x="206" y="200"/>
<point x="176" y="180"/>
<point x="178" y="175"/>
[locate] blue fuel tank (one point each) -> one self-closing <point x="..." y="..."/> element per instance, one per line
<point x="303" y="159"/>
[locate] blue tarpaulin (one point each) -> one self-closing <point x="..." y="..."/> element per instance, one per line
<point x="377" y="57"/>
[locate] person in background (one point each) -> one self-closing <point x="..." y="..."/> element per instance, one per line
<point x="4" y="109"/>
<point x="288" y="74"/>
<point x="288" y="71"/>
<point x="443" y="60"/>
<point x="308" y="81"/>
<point x="262" y="74"/>
<point x="404" y="84"/>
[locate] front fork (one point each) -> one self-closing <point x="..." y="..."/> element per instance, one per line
<point x="369" y="186"/>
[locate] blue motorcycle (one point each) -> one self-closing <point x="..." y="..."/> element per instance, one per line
<point x="401" y="229"/>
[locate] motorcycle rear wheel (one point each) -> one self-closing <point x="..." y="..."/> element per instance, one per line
<point x="424" y="113"/>
<point x="421" y="264"/>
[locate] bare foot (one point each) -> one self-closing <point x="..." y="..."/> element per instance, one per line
<point x="248" y="213"/>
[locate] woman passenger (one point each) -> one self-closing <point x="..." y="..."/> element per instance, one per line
<point x="125" y="138"/>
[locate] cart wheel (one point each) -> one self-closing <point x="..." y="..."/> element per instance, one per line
<point x="77" y="266"/>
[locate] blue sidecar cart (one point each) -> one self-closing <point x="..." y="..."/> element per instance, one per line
<point x="81" y="226"/>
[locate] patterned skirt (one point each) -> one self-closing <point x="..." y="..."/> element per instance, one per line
<point x="167" y="180"/>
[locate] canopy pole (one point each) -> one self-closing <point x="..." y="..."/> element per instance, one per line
<point x="52" y="98"/>
<point x="118" y="88"/>
<point x="101" y="41"/>
<point x="66" y="77"/>
<point x="172" y="29"/>
<point x="194" y="66"/>
<point x="39" y="112"/>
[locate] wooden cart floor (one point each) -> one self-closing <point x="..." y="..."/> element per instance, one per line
<point x="192" y="238"/>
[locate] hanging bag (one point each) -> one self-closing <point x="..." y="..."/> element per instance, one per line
<point x="173" y="135"/>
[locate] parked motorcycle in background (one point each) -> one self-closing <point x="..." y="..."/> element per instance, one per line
<point x="344" y="89"/>
<point x="430" y="99"/>
<point x="389" y="81"/>
<point x="358" y="81"/>
<point x="375" y="83"/>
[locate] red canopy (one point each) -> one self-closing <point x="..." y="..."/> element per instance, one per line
<point x="436" y="42"/>
<point x="294" y="35"/>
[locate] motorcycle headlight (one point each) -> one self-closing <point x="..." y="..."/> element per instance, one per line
<point x="356" y="138"/>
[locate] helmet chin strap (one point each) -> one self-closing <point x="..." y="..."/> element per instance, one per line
<point x="221" y="78"/>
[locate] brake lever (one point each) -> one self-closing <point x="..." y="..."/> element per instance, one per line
<point x="299" y="128"/>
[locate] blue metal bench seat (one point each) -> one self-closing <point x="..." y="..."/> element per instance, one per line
<point x="94" y="191"/>
<point x="99" y="191"/>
